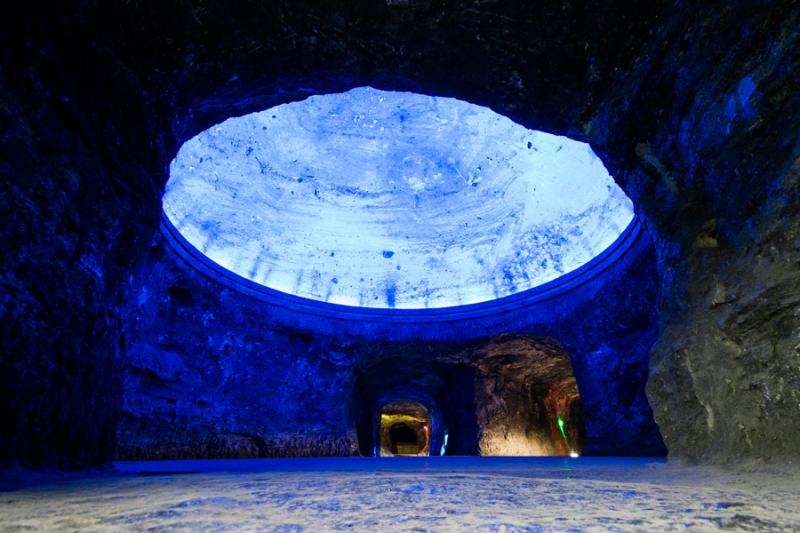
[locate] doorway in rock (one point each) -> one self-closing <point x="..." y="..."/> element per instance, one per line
<point x="404" y="429"/>
<point x="527" y="398"/>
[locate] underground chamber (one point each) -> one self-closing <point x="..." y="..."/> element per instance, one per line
<point x="236" y="332"/>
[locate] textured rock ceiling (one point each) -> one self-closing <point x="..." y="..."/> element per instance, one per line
<point x="392" y="199"/>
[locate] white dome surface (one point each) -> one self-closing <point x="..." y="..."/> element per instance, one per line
<point x="392" y="200"/>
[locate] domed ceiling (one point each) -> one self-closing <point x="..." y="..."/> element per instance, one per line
<point x="392" y="200"/>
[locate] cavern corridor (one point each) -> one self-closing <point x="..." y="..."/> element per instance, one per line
<point x="400" y="265"/>
<point x="404" y="429"/>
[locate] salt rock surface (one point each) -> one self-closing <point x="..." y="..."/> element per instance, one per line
<point x="392" y="199"/>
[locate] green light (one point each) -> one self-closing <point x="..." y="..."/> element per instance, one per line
<point x="561" y="425"/>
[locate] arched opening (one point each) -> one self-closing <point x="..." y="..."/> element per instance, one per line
<point x="400" y="387"/>
<point x="404" y="429"/>
<point x="511" y="394"/>
<point x="528" y="401"/>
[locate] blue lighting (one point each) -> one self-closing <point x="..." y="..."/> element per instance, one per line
<point x="391" y="199"/>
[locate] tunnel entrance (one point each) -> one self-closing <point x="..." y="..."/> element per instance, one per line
<point x="506" y="395"/>
<point x="404" y="429"/>
<point x="528" y="400"/>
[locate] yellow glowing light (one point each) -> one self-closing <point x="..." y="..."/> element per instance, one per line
<point x="391" y="419"/>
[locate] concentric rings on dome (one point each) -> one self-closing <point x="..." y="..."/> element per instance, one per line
<point x="392" y="200"/>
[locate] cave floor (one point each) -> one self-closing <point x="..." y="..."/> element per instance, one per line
<point x="410" y="494"/>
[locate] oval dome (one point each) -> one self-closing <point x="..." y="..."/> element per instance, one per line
<point x="392" y="200"/>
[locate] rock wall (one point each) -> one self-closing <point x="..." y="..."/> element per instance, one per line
<point x="207" y="376"/>
<point x="211" y="372"/>
<point x="693" y="109"/>
<point x="524" y="386"/>
<point x="713" y="160"/>
<point x="76" y="210"/>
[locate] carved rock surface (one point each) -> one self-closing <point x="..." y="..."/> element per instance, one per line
<point x="211" y="372"/>
<point x="693" y="108"/>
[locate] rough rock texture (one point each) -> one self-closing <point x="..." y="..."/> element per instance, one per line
<point x="206" y="376"/>
<point x="211" y="372"/>
<point x="693" y="108"/>
<point x="75" y="211"/>
<point x="524" y="386"/>
<point x="715" y="167"/>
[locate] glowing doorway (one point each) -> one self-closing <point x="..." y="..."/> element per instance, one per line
<point x="405" y="429"/>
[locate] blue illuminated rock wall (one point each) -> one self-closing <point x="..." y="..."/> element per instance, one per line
<point x="213" y="372"/>
<point x="692" y="107"/>
<point x="208" y="375"/>
<point x="715" y="167"/>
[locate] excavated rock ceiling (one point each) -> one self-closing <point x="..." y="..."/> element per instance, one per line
<point x="392" y="199"/>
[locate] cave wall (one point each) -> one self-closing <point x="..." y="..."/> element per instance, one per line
<point x="712" y="160"/>
<point x="212" y="372"/>
<point x="206" y="376"/>
<point x="523" y="386"/>
<point x="692" y="107"/>
<point x="75" y="212"/>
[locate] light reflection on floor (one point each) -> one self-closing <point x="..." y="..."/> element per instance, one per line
<point x="411" y="494"/>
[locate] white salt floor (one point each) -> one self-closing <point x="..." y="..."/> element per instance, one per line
<point x="411" y="494"/>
